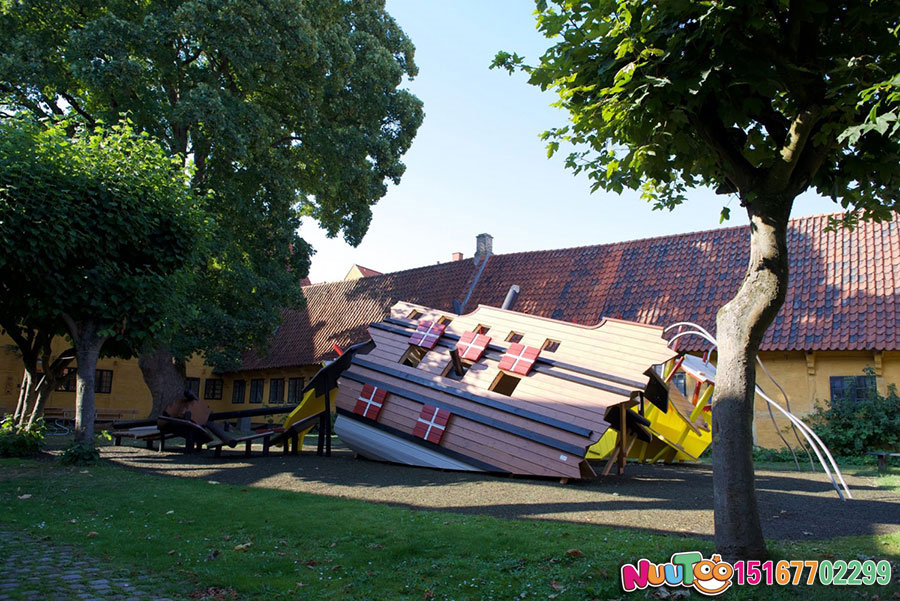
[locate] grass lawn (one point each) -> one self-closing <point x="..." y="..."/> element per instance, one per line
<point x="278" y="545"/>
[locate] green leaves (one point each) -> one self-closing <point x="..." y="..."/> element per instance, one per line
<point x="282" y="108"/>
<point x="100" y="226"/>
<point x="756" y="99"/>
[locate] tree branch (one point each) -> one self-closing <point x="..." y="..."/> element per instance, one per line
<point x="73" y="327"/>
<point x="779" y="175"/>
<point x="810" y="161"/>
<point x="24" y="101"/>
<point x="74" y="104"/>
<point x="736" y="167"/>
<point x="775" y="123"/>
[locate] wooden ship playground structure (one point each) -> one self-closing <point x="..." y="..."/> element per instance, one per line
<point x="496" y="391"/>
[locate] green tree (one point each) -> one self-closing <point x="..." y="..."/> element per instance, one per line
<point x="286" y="108"/>
<point x="753" y="99"/>
<point x="99" y="231"/>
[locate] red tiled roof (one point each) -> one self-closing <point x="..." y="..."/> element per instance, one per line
<point x="844" y="292"/>
<point x="339" y="312"/>
<point x="366" y="272"/>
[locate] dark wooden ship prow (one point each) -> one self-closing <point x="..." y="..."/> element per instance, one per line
<point x="494" y="390"/>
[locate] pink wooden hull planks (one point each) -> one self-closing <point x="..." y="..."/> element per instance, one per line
<point x="534" y="395"/>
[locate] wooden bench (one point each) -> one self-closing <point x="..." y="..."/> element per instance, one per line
<point x="148" y="434"/>
<point x="100" y="415"/>
<point x="882" y="458"/>
<point x="55" y="413"/>
<point x="111" y="415"/>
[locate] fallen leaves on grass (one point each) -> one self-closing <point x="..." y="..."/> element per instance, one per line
<point x="92" y="534"/>
<point x="25" y="496"/>
<point x="243" y="547"/>
<point x="575" y="553"/>
<point x="214" y="593"/>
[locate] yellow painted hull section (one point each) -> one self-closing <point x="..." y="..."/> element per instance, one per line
<point x="308" y="407"/>
<point x="673" y="439"/>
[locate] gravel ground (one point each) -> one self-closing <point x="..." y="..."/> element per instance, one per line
<point x="665" y="499"/>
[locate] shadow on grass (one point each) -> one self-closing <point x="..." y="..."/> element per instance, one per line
<point x="799" y="506"/>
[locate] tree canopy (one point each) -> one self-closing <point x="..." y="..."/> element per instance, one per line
<point x="100" y="237"/>
<point x="744" y="97"/>
<point x="286" y="109"/>
<point x="98" y="226"/>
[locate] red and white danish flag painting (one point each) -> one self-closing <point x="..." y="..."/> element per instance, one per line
<point x="471" y="346"/>
<point x="370" y="401"/>
<point x="427" y="334"/>
<point x="432" y="423"/>
<point x="519" y="358"/>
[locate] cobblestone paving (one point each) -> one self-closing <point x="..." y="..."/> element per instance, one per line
<point x="32" y="570"/>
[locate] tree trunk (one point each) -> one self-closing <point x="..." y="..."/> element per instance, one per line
<point x="88" y="343"/>
<point x="164" y="376"/>
<point x="23" y="391"/>
<point x="26" y="393"/>
<point x="47" y="383"/>
<point x="42" y="394"/>
<point x="740" y="326"/>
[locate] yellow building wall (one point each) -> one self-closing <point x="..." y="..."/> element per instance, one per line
<point x="353" y="274"/>
<point x="805" y="377"/>
<point x="129" y="393"/>
<point x="227" y="403"/>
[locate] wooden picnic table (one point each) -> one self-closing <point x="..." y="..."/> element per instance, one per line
<point x="882" y="458"/>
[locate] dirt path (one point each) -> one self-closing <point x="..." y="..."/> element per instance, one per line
<point x="671" y="499"/>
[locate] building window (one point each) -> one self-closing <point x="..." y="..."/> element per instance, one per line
<point x="504" y="384"/>
<point x="481" y="329"/>
<point x="679" y="382"/>
<point x="855" y="389"/>
<point x="212" y="389"/>
<point x="413" y="356"/>
<point x="238" y="390"/>
<point x="295" y="390"/>
<point x="414" y="315"/>
<point x="514" y="337"/>
<point x="550" y="345"/>
<point x="256" y="390"/>
<point x="67" y="383"/>
<point x="193" y="384"/>
<point x="445" y="321"/>
<point x="276" y="390"/>
<point x="103" y="381"/>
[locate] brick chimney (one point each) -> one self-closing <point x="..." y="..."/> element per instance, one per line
<point x="484" y="246"/>
<point x="456" y="257"/>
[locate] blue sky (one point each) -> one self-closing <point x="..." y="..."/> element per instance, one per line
<point x="477" y="164"/>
